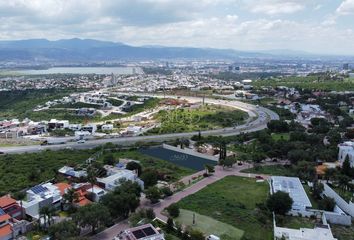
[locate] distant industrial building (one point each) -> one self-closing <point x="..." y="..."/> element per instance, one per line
<point x="143" y="232"/>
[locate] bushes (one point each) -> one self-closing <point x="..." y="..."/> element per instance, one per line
<point x="173" y="210"/>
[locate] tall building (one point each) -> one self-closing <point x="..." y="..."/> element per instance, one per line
<point x="346" y="66"/>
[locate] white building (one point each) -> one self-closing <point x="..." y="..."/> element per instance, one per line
<point x="143" y="232"/>
<point x="293" y="186"/>
<point x="69" y="171"/>
<point x="39" y="196"/>
<point x="320" y="232"/>
<point x="116" y="175"/>
<point x="107" y="127"/>
<point x="346" y="149"/>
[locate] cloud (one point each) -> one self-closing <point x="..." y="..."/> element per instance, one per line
<point x="273" y="7"/>
<point x="346" y="7"/>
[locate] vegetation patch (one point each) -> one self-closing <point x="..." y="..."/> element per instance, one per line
<point x="204" y="117"/>
<point x="233" y="200"/>
<point x="209" y="225"/>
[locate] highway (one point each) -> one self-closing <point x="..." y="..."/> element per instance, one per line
<point x="259" y="117"/>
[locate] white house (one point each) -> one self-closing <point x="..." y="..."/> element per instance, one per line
<point x="116" y="175"/>
<point x="107" y="127"/>
<point x="39" y="196"/>
<point x="346" y="149"/>
<point x="322" y="232"/>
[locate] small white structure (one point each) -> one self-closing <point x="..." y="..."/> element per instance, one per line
<point x="69" y="171"/>
<point x="293" y="186"/>
<point x="107" y="127"/>
<point x="320" y="232"/>
<point x="346" y="149"/>
<point x="116" y="175"/>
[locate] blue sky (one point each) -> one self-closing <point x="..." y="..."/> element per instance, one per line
<point x="318" y="26"/>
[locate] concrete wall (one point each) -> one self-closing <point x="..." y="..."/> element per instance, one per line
<point x="346" y="207"/>
<point x="189" y="152"/>
<point x="335" y="218"/>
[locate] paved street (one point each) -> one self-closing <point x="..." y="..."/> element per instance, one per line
<point x="260" y="117"/>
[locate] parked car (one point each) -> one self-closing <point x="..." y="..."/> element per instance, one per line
<point x="81" y="141"/>
<point x="259" y="177"/>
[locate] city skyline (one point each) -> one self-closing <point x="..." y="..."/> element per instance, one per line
<point x="315" y="26"/>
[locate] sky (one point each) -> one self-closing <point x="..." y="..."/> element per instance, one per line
<point x="316" y="26"/>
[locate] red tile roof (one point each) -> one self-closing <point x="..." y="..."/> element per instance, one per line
<point x="5" y="230"/>
<point x="62" y="187"/>
<point x="6" y="201"/>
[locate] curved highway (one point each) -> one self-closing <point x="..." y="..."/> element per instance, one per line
<point x="259" y="117"/>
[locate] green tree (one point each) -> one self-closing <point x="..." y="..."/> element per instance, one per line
<point x="122" y="200"/>
<point x="109" y="159"/>
<point x="70" y="197"/>
<point x="134" y="166"/>
<point x="149" y="176"/>
<point x="173" y="210"/>
<point x="153" y="194"/>
<point x="209" y="168"/>
<point x="20" y="196"/>
<point x="47" y="212"/>
<point x="279" y="202"/>
<point x="64" y="230"/>
<point x="346" y="168"/>
<point x="166" y="191"/>
<point x="93" y="215"/>
<point x="196" y="235"/>
<point x="326" y="204"/>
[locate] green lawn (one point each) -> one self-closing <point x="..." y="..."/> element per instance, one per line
<point x="233" y="200"/>
<point x="342" y="232"/>
<point x="346" y="195"/>
<point x="295" y="222"/>
<point x="274" y="170"/>
<point x="209" y="225"/>
<point x="313" y="201"/>
<point x="281" y="136"/>
<point x="162" y="166"/>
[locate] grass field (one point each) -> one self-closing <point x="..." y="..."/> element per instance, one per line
<point x="275" y="170"/>
<point x="313" y="201"/>
<point x="209" y="225"/>
<point x="281" y="136"/>
<point x="233" y="200"/>
<point x="295" y="222"/>
<point x="342" y="232"/>
<point x="202" y="118"/>
<point x="162" y="166"/>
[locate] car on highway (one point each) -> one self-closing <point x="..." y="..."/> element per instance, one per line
<point x="81" y="141"/>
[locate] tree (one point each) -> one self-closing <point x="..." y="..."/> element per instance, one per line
<point x="109" y="159"/>
<point x="326" y="204"/>
<point x="169" y="225"/>
<point x="196" y="235"/>
<point x="70" y="197"/>
<point x="346" y="168"/>
<point x="278" y="126"/>
<point x="20" y="196"/>
<point x="173" y="210"/>
<point x="279" y="202"/>
<point x="317" y="189"/>
<point x="153" y="194"/>
<point x="209" y="168"/>
<point x="330" y="174"/>
<point x="63" y="230"/>
<point x="149" y="176"/>
<point x="47" y="213"/>
<point x="166" y="191"/>
<point x="134" y="166"/>
<point x="123" y="200"/>
<point x="227" y="162"/>
<point x="91" y="176"/>
<point x="93" y="215"/>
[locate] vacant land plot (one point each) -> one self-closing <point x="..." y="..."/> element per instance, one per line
<point x="233" y="200"/>
<point x="209" y="225"/>
<point x="342" y="232"/>
<point x="275" y="170"/>
<point x="202" y="118"/>
<point x="163" y="167"/>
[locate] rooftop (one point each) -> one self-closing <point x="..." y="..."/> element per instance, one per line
<point x="293" y="186"/>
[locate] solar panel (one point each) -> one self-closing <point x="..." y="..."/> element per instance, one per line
<point x="2" y="212"/>
<point x="138" y="234"/>
<point x="149" y="231"/>
<point x="38" y="189"/>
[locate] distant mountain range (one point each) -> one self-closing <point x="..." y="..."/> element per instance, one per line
<point x="88" y="50"/>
